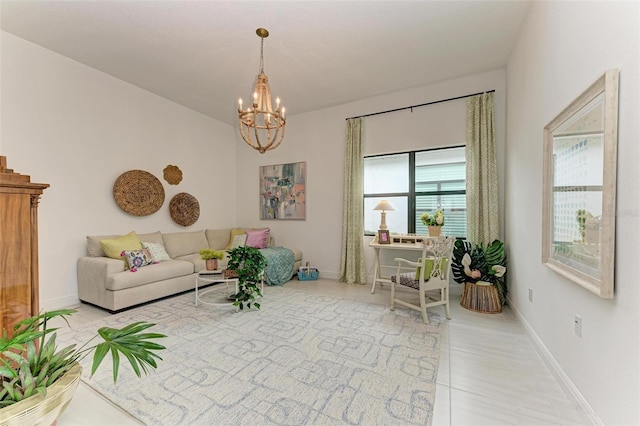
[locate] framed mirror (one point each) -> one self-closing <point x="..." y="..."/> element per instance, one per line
<point x="579" y="188"/>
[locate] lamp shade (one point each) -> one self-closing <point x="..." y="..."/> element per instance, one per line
<point x="384" y="205"/>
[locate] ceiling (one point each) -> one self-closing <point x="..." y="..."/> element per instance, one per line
<point x="205" y="54"/>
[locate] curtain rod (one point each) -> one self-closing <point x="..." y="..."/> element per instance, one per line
<point x="420" y="105"/>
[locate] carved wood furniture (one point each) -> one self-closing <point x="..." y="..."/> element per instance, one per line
<point x="19" y="292"/>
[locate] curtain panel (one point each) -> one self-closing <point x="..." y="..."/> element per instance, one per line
<point x="483" y="219"/>
<point x="352" y="266"/>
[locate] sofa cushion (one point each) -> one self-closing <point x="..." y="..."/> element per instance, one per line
<point x="234" y="232"/>
<point x="158" y="253"/>
<point x="154" y="237"/>
<point x="218" y="239"/>
<point x="258" y="238"/>
<point x="94" y="249"/>
<point x="149" y="274"/>
<point x="114" y="247"/>
<point x="138" y="258"/>
<point x="183" y="243"/>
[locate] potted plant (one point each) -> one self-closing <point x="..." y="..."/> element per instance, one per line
<point x="211" y="258"/>
<point x="433" y="222"/>
<point x="38" y="380"/>
<point x="482" y="270"/>
<point x="247" y="263"/>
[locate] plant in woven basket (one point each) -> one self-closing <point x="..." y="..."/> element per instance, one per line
<point x="248" y="263"/>
<point x="481" y="265"/>
<point x="30" y="361"/>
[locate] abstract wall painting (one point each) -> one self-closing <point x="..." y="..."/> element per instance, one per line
<point x="282" y="191"/>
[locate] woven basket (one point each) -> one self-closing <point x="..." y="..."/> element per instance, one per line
<point x="39" y="410"/>
<point x="172" y="174"/>
<point x="138" y="192"/>
<point x="230" y="273"/>
<point x="481" y="298"/>
<point x="184" y="209"/>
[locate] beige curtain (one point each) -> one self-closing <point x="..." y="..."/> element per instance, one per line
<point x="352" y="267"/>
<point x="483" y="221"/>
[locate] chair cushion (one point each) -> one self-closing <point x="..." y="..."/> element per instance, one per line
<point x="407" y="279"/>
<point x="183" y="243"/>
<point x="428" y="268"/>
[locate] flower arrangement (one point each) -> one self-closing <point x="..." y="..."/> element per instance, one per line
<point x="481" y="265"/>
<point x="207" y="254"/>
<point x="436" y="219"/>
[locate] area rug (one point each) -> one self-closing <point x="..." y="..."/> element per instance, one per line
<point x="301" y="359"/>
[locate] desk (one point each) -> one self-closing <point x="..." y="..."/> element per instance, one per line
<point x="414" y="242"/>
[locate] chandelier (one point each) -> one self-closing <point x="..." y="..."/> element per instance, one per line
<point x="261" y="126"/>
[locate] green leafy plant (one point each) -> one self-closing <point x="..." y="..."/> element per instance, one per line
<point x="480" y="264"/>
<point x="248" y="263"/>
<point x="207" y="254"/>
<point x="436" y="219"/>
<point x="30" y="360"/>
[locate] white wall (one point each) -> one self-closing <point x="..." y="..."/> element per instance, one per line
<point x="318" y="138"/>
<point x="562" y="49"/>
<point x="78" y="129"/>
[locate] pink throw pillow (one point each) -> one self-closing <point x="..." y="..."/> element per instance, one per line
<point x="258" y="238"/>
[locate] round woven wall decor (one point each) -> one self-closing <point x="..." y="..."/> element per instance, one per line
<point x="138" y="192"/>
<point x="172" y="174"/>
<point x="184" y="209"/>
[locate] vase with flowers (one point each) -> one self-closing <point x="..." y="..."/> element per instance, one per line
<point x="433" y="222"/>
<point x="482" y="270"/>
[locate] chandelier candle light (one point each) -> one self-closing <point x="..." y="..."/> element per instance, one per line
<point x="383" y="205"/>
<point x="262" y="127"/>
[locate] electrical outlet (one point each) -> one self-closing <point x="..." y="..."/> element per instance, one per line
<point x="577" y="325"/>
<point x="530" y="294"/>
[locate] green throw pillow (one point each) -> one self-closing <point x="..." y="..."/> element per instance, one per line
<point x="114" y="247"/>
<point x="428" y="268"/>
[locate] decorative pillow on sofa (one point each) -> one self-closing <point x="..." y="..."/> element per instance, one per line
<point x="114" y="247"/>
<point x="238" y="241"/>
<point x="258" y="238"/>
<point x="137" y="258"/>
<point x="157" y="251"/>
<point x="234" y="232"/>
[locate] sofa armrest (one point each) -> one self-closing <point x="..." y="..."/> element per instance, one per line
<point x="92" y="276"/>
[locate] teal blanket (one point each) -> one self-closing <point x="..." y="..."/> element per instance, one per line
<point x="280" y="263"/>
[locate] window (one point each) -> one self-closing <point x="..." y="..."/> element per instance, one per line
<point x="414" y="183"/>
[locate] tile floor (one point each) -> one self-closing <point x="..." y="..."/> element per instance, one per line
<point x="489" y="374"/>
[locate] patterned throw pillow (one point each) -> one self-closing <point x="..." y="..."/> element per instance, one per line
<point x="258" y="238"/>
<point x="238" y="241"/>
<point x="137" y="258"/>
<point x="158" y="252"/>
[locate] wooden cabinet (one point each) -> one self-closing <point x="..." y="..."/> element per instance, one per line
<point x="19" y="293"/>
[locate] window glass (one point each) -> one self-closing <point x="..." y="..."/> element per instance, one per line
<point x="438" y="181"/>
<point x="386" y="174"/>
<point x="396" y="220"/>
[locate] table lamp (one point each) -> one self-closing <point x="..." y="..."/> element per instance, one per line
<point x="383" y="205"/>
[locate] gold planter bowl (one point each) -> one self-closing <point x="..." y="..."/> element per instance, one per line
<point x="435" y="231"/>
<point x="39" y="410"/>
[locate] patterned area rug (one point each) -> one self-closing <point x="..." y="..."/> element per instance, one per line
<point x="300" y="359"/>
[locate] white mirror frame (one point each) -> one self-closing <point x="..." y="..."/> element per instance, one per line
<point x="555" y="255"/>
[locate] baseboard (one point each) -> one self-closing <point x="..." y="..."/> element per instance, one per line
<point x="555" y="368"/>
<point x="59" y="303"/>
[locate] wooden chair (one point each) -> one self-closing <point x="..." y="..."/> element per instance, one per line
<point x="430" y="273"/>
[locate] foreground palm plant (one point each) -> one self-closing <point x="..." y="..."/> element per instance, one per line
<point x="30" y="360"/>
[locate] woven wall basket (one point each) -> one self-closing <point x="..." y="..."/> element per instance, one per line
<point x="138" y="192"/>
<point x="184" y="209"/>
<point x="172" y="174"/>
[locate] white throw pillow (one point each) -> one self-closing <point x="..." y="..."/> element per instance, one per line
<point x="238" y="241"/>
<point x="158" y="253"/>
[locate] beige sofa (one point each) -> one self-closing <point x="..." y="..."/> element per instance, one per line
<point x="104" y="282"/>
